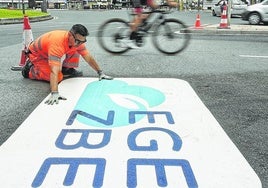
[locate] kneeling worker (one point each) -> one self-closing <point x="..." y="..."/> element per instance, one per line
<point x="45" y="53"/>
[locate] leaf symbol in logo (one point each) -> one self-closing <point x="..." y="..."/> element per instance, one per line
<point x="128" y="101"/>
<point x="100" y="98"/>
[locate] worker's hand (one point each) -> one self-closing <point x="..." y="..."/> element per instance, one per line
<point x="54" y="98"/>
<point x="103" y="76"/>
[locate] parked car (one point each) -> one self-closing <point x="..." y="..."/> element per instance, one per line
<point x="257" y="13"/>
<point x="238" y="7"/>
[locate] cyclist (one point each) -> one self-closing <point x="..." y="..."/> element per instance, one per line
<point x="141" y="15"/>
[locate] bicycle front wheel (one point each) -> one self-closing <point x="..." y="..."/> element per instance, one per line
<point x="111" y="35"/>
<point x="171" y="37"/>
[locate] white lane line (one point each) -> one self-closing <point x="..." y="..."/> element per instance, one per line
<point x="254" y="56"/>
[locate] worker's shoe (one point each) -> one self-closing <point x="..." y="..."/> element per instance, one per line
<point x="71" y="72"/>
<point x="26" y="69"/>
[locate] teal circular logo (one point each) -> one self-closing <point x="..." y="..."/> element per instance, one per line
<point x="107" y="103"/>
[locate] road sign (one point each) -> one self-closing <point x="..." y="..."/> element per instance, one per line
<point x="127" y="132"/>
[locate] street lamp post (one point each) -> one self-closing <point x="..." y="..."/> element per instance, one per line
<point x="23" y="8"/>
<point x="44" y="6"/>
<point x="229" y="12"/>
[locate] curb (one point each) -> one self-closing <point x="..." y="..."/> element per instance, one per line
<point x="4" y="21"/>
<point x="233" y="30"/>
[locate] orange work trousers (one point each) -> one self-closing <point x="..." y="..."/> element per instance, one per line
<point x="41" y="69"/>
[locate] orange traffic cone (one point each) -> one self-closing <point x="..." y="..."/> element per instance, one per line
<point x="198" y="22"/>
<point x="224" y="21"/>
<point x="27" y="39"/>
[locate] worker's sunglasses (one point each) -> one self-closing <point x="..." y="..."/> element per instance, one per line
<point x="77" y="41"/>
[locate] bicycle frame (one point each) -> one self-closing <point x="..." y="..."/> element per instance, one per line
<point x="150" y="24"/>
<point x="113" y="35"/>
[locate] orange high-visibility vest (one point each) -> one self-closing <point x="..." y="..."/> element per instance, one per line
<point x="52" y="46"/>
<point x="48" y="49"/>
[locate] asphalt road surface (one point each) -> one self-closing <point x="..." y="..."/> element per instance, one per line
<point x="229" y="74"/>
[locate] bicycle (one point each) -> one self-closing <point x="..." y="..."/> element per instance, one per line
<point x="169" y="35"/>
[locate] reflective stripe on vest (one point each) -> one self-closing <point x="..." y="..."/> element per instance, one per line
<point x="53" y="58"/>
<point x="37" y="48"/>
<point x="71" y="60"/>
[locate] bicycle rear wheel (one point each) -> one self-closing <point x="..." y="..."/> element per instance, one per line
<point x="111" y="35"/>
<point x="171" y="37"/>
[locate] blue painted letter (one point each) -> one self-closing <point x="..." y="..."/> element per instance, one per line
<point x="83" y="142"/>
<point x="109" y="121"/>
<point x="177" y="142"/>
<point x="72" y="170"/>
<point x="159" y="171"/>
<point x="150" y="115"/>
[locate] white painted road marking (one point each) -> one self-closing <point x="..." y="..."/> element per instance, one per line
<point x="128" y="132"/>
<point x="254" y="56"/>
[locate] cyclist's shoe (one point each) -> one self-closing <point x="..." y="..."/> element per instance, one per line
<point x="26" y="69"/>
<point x="71" y="72"/>
<point x="128" y="43"/>
<point x="139" y="41"/>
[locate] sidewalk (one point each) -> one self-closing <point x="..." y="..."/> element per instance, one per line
<point x="234" y="29"/>
<point x="4" y="21"/>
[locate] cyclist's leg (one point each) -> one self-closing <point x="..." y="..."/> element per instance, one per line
<point x="133" y="28"/>
<point x="136" y="22"/>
